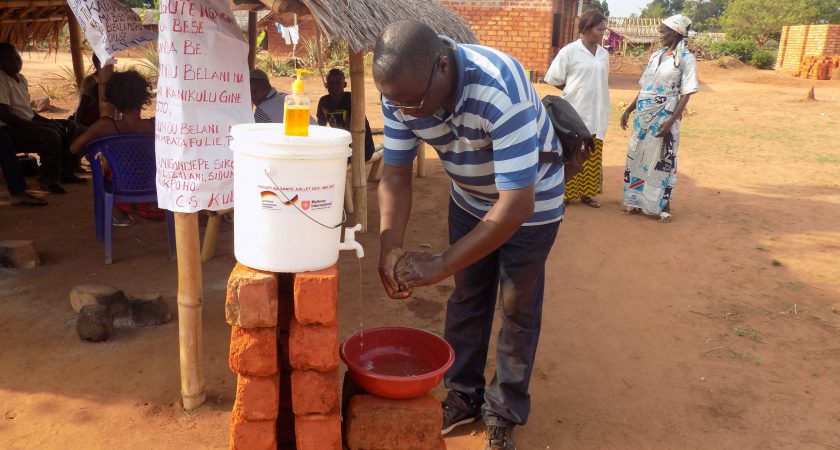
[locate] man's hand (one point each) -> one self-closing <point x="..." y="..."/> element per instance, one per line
<point x="420" y="269"/>
<point x="666" y="128"/>
<point x="387" y="265"/>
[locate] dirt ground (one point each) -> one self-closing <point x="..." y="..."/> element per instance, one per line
<point x="712" y="332"/>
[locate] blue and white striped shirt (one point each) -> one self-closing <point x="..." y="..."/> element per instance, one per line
<point x="490" y="142"/>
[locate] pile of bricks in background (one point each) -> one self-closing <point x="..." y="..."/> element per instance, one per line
<point x="799" y="42"/>
<point x="284" y="349"/>
<point x="819" y="68"/>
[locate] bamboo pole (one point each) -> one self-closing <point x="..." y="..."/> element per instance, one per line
<point x="357" y="132"/>
<point x="208" y="249"/>
<point x="189" y="309"/>
<point x="105" y="109"/>
<point x="76" y="39"/>
<point x="252" y="40"/>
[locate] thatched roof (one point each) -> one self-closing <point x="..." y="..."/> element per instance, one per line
<point x="636" y="30"/>
<point x="359" y="22"/>
<point x="26" y="21"/>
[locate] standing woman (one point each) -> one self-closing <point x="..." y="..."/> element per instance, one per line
<point x="667" y="84"/>
<point x="581" y="69"/>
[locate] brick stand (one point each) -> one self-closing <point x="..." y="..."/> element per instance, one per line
<point x="284" y="349"/>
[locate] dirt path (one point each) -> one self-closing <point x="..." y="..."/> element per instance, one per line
<point x="714" y="331"/>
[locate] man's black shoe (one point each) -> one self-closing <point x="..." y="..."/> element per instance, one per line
<point x="54" y="188"/>
<point x="457" y="410"/>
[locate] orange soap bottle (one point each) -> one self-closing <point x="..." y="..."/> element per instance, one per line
<point x="296" y="112"/>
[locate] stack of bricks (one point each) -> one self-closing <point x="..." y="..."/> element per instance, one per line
<point x="522" y="29"/>
<point x="284" y="350"/>
<point x="819" y="67"/>
<point x="802" y="41"/>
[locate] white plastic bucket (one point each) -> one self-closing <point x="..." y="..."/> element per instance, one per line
<point x="289" y="196"/>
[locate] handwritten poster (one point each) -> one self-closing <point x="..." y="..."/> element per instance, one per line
<point x="203" y="90"/>
<point x="110" y="27"/>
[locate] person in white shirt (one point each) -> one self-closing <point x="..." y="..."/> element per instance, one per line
<point x="581" y="69"/>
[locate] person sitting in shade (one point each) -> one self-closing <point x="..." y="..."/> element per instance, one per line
<point x="33" y="132"/>
<point x="13" y="174"/>
<point x="270" y="104"/>
<point x="335" y="108"/>
<point x="87" y="112"/>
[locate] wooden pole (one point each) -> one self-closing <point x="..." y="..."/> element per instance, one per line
<point x="357" y="132"/>
<point x="105" y="109"/>
<point x="76" y="40"/>
<point x="252" y="40"/>
<point x="189" y="309"/>
<point x="211" y="231"/>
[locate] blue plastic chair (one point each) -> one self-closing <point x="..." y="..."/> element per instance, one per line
<point x="131" y="158"/>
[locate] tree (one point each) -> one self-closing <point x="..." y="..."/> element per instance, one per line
<point x="761" y="20"/>
<point x="663" y="8"/>
<point x="705" y="14"/>
<point x="601" y="6"/>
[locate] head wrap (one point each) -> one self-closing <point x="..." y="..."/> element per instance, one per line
<point x="680" y="24"/>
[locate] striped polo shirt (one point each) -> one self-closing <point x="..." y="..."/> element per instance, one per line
<point x="490" y="142"/>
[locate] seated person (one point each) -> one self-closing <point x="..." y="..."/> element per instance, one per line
<point x="269" y="103"/>
<point x="32" y="132"/>
<point x="334" y="108"/>
<point x="129" y="92"/>
<point x="13" y="174"/>
<point x="87" y="112"/>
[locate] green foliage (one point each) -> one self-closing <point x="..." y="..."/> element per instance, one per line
<point x="333" y="54"/>
<point x="763" y="59"/>
<point x="150" y="62"/>
<point x="741" y="49"/>
<point x="600" y="5"/>
<point x="664" y="8"/>
<point x="762" y="20"/>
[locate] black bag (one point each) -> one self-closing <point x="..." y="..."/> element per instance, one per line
<point x="577" y="141"/>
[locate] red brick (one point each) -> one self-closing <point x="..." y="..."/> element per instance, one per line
<point x="252" y="435"/>
<point x="317" y="432"/>
<point x="314" y="392"/>
<point x="253" y="351"/>
<point x="375" y="423"/>
<point x="313" y="347"/>
<point x="251" y="298"/>
<point x="257" y="397"/>
<point x="315" y="296"/>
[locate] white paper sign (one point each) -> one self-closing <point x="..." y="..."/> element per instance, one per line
<point x="203" y="89"/>
<point x="110" y="27"/>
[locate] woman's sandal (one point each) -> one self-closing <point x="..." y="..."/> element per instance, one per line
<point x="629" y="210"/>
<point x="590" y="201"/>
<point x="665" y="217"/>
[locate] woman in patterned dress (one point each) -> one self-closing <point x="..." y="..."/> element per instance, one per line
<point x="670" y="78"/>
<point x="581" y="69"/>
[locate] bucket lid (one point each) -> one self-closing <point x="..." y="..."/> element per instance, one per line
<point x="269" y="139"/>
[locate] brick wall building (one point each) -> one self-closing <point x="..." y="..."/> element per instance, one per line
<point x="533" y="31"/>
<point x="801" y="41"/>
<point x="275" y="43"/>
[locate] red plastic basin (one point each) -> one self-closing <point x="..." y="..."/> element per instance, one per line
<point x="397" y="362"/>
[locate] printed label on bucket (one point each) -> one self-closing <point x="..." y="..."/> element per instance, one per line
<point x="291" y="198"/>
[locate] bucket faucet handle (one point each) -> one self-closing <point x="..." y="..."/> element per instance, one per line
<point x="350" y="242"/>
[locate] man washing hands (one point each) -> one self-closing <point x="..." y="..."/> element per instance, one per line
<point x="476" y="107"/>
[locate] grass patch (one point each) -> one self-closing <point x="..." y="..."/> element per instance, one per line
<point x="828" y="159"/>
<point x="748" y="332"/>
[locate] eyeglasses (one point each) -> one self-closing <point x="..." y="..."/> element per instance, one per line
<point x="394" y="105"/>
